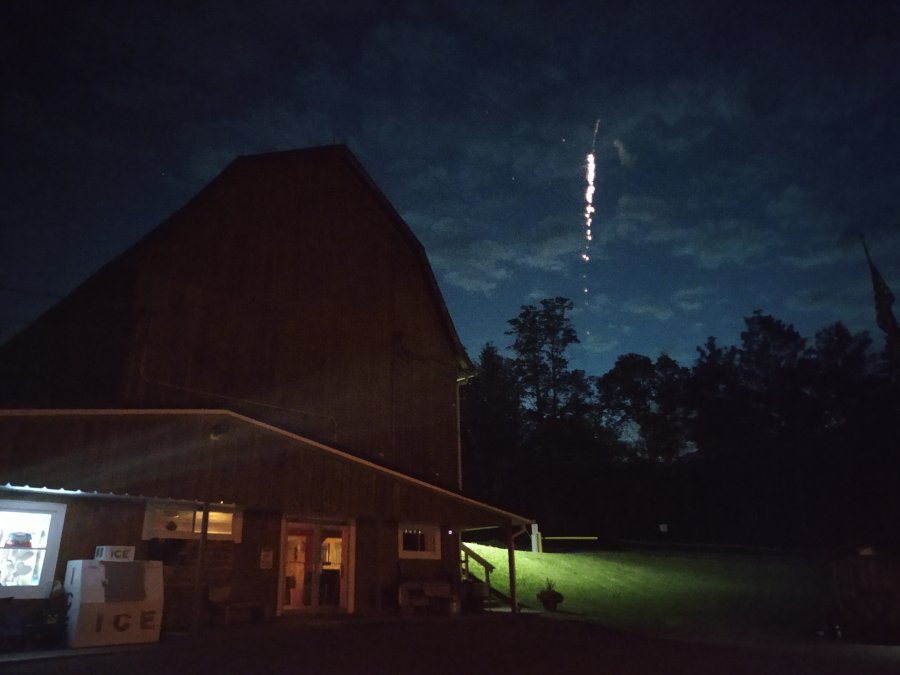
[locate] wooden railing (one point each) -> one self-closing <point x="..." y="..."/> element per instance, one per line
<point x="467" y="556"/>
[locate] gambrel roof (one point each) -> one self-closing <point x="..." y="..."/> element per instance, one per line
<point x="108" y="296"/>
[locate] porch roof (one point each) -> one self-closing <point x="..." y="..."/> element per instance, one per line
<point x="216" y="455"/>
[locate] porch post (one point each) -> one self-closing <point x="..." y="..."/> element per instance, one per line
<point x="379" y="533"/>
<point x="199" y="576"/>
<point x="536" y="546"/>
<point x="511" y="553"/>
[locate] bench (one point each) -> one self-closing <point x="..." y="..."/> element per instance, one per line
<point x="428" y="595"/>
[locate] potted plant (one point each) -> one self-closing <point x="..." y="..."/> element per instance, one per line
<point x="549" y="597"/>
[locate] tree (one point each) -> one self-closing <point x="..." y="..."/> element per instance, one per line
<point x="853" y="456"/>
<point x="712" y="397"/>
<point x="542" y="335"/>
<point x="786" y="426"/>
<point x="564" y="449"/>
<point x="750" y="399"/>
<point x="841" y="376"/>
<point x="644" y="402"/>
<point x="771" y="361"/>
<point x="796" y="441"/>
<point x="492" y="425"/>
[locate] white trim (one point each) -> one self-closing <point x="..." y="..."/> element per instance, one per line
<point x="433" y="537"/>
<point x="514" y="518"/>
<point x="282" y="566"/>
<point x="347" y="601"/>
<point x="350" y="562"/>
<point x="57" y="512"/>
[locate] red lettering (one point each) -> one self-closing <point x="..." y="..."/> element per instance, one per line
<point x="148" y="619"/>
<point x="122" y="622"/>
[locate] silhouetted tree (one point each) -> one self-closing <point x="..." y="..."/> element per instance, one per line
<point x="541" y="337"/>
<point x="775" y="440"/>
<point x="564" y="446"/>
<point x="712" y="397"/>
<point x="492" y="426"/>
<point x="644" y="402"/>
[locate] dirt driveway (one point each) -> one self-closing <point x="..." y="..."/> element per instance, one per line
<point x="467" y="645"/>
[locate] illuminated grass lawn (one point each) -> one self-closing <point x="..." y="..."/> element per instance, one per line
<point x="676" y="594"/>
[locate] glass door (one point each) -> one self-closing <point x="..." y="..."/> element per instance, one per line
<point x="299" y="567"/>
<point x="331" y="567"/>
<point x="315" y="567"/>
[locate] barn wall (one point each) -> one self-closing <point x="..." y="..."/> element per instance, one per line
<point x="215" y="457"/>
<point x="287" y="289"/>
<point x="99" y="522"/>
<point x="262" y="532"/>
<point x="395" y="570"/>
<point x="73" y="355"/>
<point x="376" y="544"/>
<point x="299" y="300"/>
<point x="179" y="558"/>
<point x="447" y="568"/>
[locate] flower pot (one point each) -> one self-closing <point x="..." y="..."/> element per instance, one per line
<point x="550" y="600"/>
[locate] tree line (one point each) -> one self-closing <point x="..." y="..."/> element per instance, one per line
<point x="779" y="440"/>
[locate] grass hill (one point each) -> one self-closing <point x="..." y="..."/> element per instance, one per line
<point x="675" y="594"/>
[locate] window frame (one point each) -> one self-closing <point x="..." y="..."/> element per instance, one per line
<point x="150" y="531"/>
<point x="432" y="534"/>
<point x="57" y="513"/>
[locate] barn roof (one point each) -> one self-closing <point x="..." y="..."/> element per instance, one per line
<point x="111" y="280"/>
<point x="215" y="455"/>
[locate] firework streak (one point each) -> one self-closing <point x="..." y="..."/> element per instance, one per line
<point x="590" y="172"/>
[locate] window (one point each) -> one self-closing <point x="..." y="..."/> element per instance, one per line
<point x="185" y="521"/>
<point x="29" y="536"/>
<point x="419" y="541"/>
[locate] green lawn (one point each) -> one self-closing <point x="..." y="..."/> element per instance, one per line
<point x="676" y="594"/>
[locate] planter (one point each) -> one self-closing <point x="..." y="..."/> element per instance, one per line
<point x="549" y="604"/>
<point x="549" y="598"/>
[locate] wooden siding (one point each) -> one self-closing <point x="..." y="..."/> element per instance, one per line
<point x="289" y="290"/>
<point x="91" y="522"/>
<point x="219" y="457"/>
<point x="95" y="520"/>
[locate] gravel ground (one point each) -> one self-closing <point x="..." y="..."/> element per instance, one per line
<point x="499" y="644"/>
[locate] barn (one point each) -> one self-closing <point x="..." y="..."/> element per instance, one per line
<point x="262" y="393"/>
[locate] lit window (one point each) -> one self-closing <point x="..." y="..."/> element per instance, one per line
<point x="29" y="536"/>
<point x="185" y="521"/>
<point x="419" y="541"/>
<point x="219" y="523"/>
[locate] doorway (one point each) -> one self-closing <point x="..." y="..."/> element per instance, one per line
<point x="316" y="567"/>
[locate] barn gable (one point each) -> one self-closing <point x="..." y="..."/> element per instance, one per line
<point x="288" y="289"/>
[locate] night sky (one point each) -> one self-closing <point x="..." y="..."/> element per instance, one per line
<point x="743" y="146"/>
